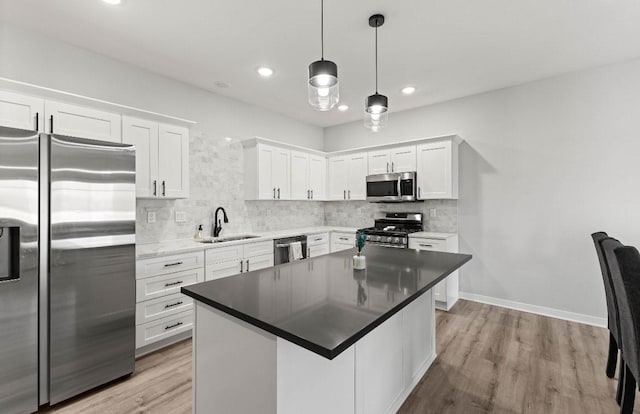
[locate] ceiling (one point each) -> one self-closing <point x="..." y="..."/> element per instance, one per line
<point x="445" y="48"/>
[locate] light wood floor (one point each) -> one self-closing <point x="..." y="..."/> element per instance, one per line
<point x="490" y="360"/>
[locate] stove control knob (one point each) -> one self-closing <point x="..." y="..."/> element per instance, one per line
<point x="404" y="240"/>
<point x="378" y="238"/>
<point x="389" y="239"/>
<point x="368" y="238"/>
<point x="396" y="240"/>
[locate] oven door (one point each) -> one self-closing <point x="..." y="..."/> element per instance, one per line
<point x="391" y="188"/>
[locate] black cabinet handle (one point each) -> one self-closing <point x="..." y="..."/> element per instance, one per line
<point x="173" y="264"/>
<point x="418" y="192"/>
<point x="155" y="187"/>
<point x="37" y="120"/>
<point x="426" y="245"/>
<point x="278" y="193"/>
<point x="312" y="194"/>
<point x="344" y="194"/>
<point x="164" y="188"/>
<point x="274" y="193"/>
<point x="392" y="166"/>
<point x="247" y="265"/>
<point x="171" y="305"/>
<point x="349" y="194"/>
<point x="241" y="266"/>
<point x="51" y="124"/>
<point x="172" y="326"/>
<point x="308" y="194"/>
<point x="179" y="282"/>
<point x="343" y="238"/>
<point x="387" y="167"/>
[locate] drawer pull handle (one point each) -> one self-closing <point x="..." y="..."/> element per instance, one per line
<point x="172" y="326"/>
<point x="426" y="245"/>
<point x="318" y="239"/>
<point x="173" y="283"/>
<point x="171" y="305"/>
<point x="173" y="264"/>
<point x="343" y="238"/>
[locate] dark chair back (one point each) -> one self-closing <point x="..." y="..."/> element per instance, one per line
<point x="612" y="307"/>
<point x="625" y="273"/>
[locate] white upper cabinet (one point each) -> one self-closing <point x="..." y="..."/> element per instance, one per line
<point x="173" y="161"/>
<point x="399" y="159"/>
<point x="347" y="177"/>
<point x="318" y="177"/>
<point x="307" y="176"/>
<point x="144" y="135"/>
<point x="162" y="158"/>
<point x="82" y="122"/>
<point x="437" y="172"/>
<point x="21" y="111"/>
<point x="300" y="176"/>
<point x="267" y="172"/>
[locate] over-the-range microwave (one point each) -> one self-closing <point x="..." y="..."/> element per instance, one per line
<point x="392" y="187"/>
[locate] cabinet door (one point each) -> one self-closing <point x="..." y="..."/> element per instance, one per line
<point x="258" y="262"/>
<point x="403" y="159"/>
<point x="440" y="290"/>
<point x="434" y="170"/>
<point x="337" y="178"/>
<point x="379" y="162"/>
<point x="266" y="186"/>
<point x="21" y="111"/>
<point x="144" y="135"/>
<point x="173" y="161"/>
<point x="78" y="121"/>
<point x="318" y="177"/>
<point x="300" y="189"/>
<point x="318" y="250"/>
<point x="357" y="177"/>
<point x="282" y="173"/>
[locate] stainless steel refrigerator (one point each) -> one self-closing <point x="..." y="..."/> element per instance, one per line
<point x="67" y="266"/>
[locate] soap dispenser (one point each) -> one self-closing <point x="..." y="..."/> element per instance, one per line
<point x="198" y="235"/>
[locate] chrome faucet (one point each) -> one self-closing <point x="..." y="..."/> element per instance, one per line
<point x="217" y="224"/>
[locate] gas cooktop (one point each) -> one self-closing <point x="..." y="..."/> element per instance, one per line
<point x="393" y="229"/>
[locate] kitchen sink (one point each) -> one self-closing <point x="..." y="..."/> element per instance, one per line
<point x="228" y="239"/>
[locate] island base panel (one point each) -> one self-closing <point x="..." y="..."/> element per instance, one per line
<point x="239" y="368"/>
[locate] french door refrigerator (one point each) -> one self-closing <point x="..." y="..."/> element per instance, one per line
<point x="67" y="266"/>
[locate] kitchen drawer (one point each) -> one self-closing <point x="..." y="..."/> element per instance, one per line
<point x="225" y="254"/>
<point x="219" y="270"/>
<point x="318" y="250"/>
<point x="258" y="249"/>
<point x="163" y="285"/>
<point x="154" y="309"/>
<point x="344" y="238"/>
<point x="168" y="264"/>
<point x="428" y="244"/>
<point x="151" y="332"/>
<point x="259" y="262"/>
<point x="315" y="239"/>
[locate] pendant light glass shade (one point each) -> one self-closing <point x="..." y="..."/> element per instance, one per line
<point x="376" y="106"/>
<point x="376" y="109"/>
<point x="323" y="85"/>
<point x="322" y="88"/>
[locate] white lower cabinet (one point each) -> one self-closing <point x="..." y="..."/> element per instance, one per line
<point x="162" y="312"/>
<point x="318" y="244"/>
<point x="445" y="293"/>
<point x="232" y="260"/>
<point x="342" y="241"/>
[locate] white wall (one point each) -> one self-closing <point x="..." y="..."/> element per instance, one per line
<point x="544" y="165"/>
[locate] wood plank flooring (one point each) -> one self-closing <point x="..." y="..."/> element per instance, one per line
<point x="490" y="360"/>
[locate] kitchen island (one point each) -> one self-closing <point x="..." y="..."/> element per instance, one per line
<point x="317" y="336"/>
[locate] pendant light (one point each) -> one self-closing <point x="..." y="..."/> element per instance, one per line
<point x="323" y="77"/>
<point x="376" y="105"/>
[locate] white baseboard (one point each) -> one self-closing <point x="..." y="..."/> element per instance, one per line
<point x="538" y="310"/>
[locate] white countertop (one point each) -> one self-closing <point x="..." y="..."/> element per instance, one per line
<point x="147" y="251"/>
<point x="431" y="235"/>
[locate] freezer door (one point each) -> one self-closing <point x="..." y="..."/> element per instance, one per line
<point x="92" y="264"/>
<point x="18" y="271"/>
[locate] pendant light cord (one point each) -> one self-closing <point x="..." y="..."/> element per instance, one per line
<point x="376" y="59"/>
<point x="322" y="29"/>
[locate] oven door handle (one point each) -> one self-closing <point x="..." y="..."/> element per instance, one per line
<point x="399" y="187"/>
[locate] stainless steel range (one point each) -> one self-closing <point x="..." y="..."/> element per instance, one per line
<point x="393" y="229"/>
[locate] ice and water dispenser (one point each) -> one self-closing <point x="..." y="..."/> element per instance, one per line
<point x="9" y="253"/>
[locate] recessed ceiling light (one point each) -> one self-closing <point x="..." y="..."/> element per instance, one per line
<point x="265" y="72"/>
<point x="228" y="139"/>
<point x="113" y="2"/>
<point x="408" y="90"/>
<point x="343" y="108"/>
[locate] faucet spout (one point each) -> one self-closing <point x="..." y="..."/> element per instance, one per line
<point x="217" y="224"/>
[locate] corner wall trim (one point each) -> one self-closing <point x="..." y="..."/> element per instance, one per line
<point x="538" y="310"/>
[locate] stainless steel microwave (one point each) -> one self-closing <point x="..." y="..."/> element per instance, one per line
<point x="391" y="187"/>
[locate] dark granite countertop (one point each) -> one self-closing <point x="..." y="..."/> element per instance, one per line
<point x="322" y="303"/>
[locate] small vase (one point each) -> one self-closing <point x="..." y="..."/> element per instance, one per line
<point x="359" y="262"/>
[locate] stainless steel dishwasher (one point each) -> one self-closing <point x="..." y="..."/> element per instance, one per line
<point x="282" y="247"/>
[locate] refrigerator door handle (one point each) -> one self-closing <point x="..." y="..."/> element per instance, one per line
<point x="51" y="124"/>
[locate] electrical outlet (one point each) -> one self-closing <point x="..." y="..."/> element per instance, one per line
<point x="181" y="216"/>
<point x="151" y="216"/>
<point x="432" y="212"/>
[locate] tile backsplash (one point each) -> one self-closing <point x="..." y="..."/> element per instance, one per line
<point x="217" y="180"/>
